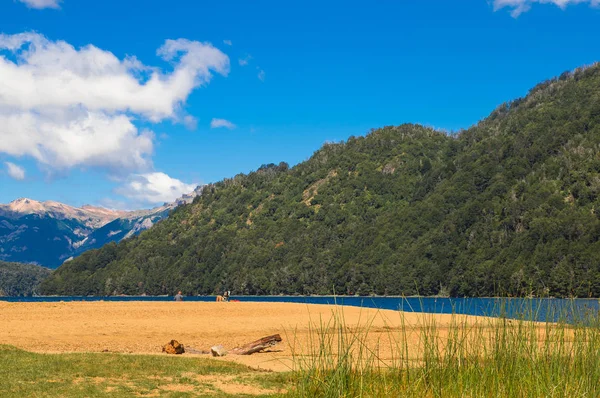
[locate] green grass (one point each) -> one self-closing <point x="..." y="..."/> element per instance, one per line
<point x="25" y="374"/>
<point x="491" y="358"/>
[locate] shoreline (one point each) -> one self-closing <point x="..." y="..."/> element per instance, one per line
<point x="315" y="296"/>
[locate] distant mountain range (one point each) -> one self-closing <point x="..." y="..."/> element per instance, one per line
<point x="50" y="233"/>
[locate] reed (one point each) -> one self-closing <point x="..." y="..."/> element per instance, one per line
<point x="488" y="357"/>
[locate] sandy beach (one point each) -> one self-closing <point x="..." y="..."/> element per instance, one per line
<point x="144" y="327"/>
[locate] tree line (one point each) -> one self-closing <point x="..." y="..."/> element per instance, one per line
<point x="18" y="279"/>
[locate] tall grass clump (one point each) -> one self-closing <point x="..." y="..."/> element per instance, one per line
<point x="461" y="356"/>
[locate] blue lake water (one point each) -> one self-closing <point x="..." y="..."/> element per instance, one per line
<point x="569" y="310"/>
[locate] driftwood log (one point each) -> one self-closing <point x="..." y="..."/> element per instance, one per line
<point x="174" y="347"/>
<point x="257" y="346"/>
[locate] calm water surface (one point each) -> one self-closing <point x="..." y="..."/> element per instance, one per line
<point x="536" y="309"/>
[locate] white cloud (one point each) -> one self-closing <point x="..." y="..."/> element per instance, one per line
<point x="218" y="123"/>
<point x="520" y="6"/>
<point x="261" y="75"/>
<point x="50" y="74"/>
<point x="153" y="188"/>
<point x="16" y="172"/>
<point x="190" y="122"/>
<point x="245" y="61"/>
<point x="228" y="42"/>
<point x="62" y="141"/>
<point x="41" y="4"/>
<point x="69" y="107"/>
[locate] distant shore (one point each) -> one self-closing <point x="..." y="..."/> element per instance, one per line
<point x="319" y="295"/>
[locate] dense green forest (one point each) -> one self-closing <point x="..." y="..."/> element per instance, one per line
<point x="18" y="279"/>
<point x="508" y="207"/>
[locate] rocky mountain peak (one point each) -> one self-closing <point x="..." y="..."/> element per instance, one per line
<point x="25" y="205"/>
<point x="62" y="231"/>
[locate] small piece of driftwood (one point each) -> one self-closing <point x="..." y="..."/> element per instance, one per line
<point x="257" y="346"/>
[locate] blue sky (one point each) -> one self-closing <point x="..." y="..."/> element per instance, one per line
<point x="287" y="77"/>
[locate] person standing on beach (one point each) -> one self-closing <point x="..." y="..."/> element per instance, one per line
<point x="179" y="296"/>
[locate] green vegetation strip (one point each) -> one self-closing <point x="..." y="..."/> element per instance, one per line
<point x="25" y="374"/>
<point x="492" y="357"/>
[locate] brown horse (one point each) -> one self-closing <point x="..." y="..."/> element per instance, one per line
<point x="220" y="298"/>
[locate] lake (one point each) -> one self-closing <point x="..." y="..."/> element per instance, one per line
<point x="549" y="309"/>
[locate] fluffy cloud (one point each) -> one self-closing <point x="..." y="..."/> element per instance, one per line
<point x="50" y="74"/>
<point x="16" y="172"/>
<point x="153" y="188"/>
<point x="69" y="107"/>
<point x="81" y="139"/>
<point x="219" y="123"/>
<point x="520" y="6"/>
<point x="41" y="4"/>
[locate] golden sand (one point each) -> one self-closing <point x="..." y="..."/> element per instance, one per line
<point x="144" y="327"/>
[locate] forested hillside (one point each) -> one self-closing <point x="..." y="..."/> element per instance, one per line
<point x="507" y="207"/>
<point x="21" y="279"/>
